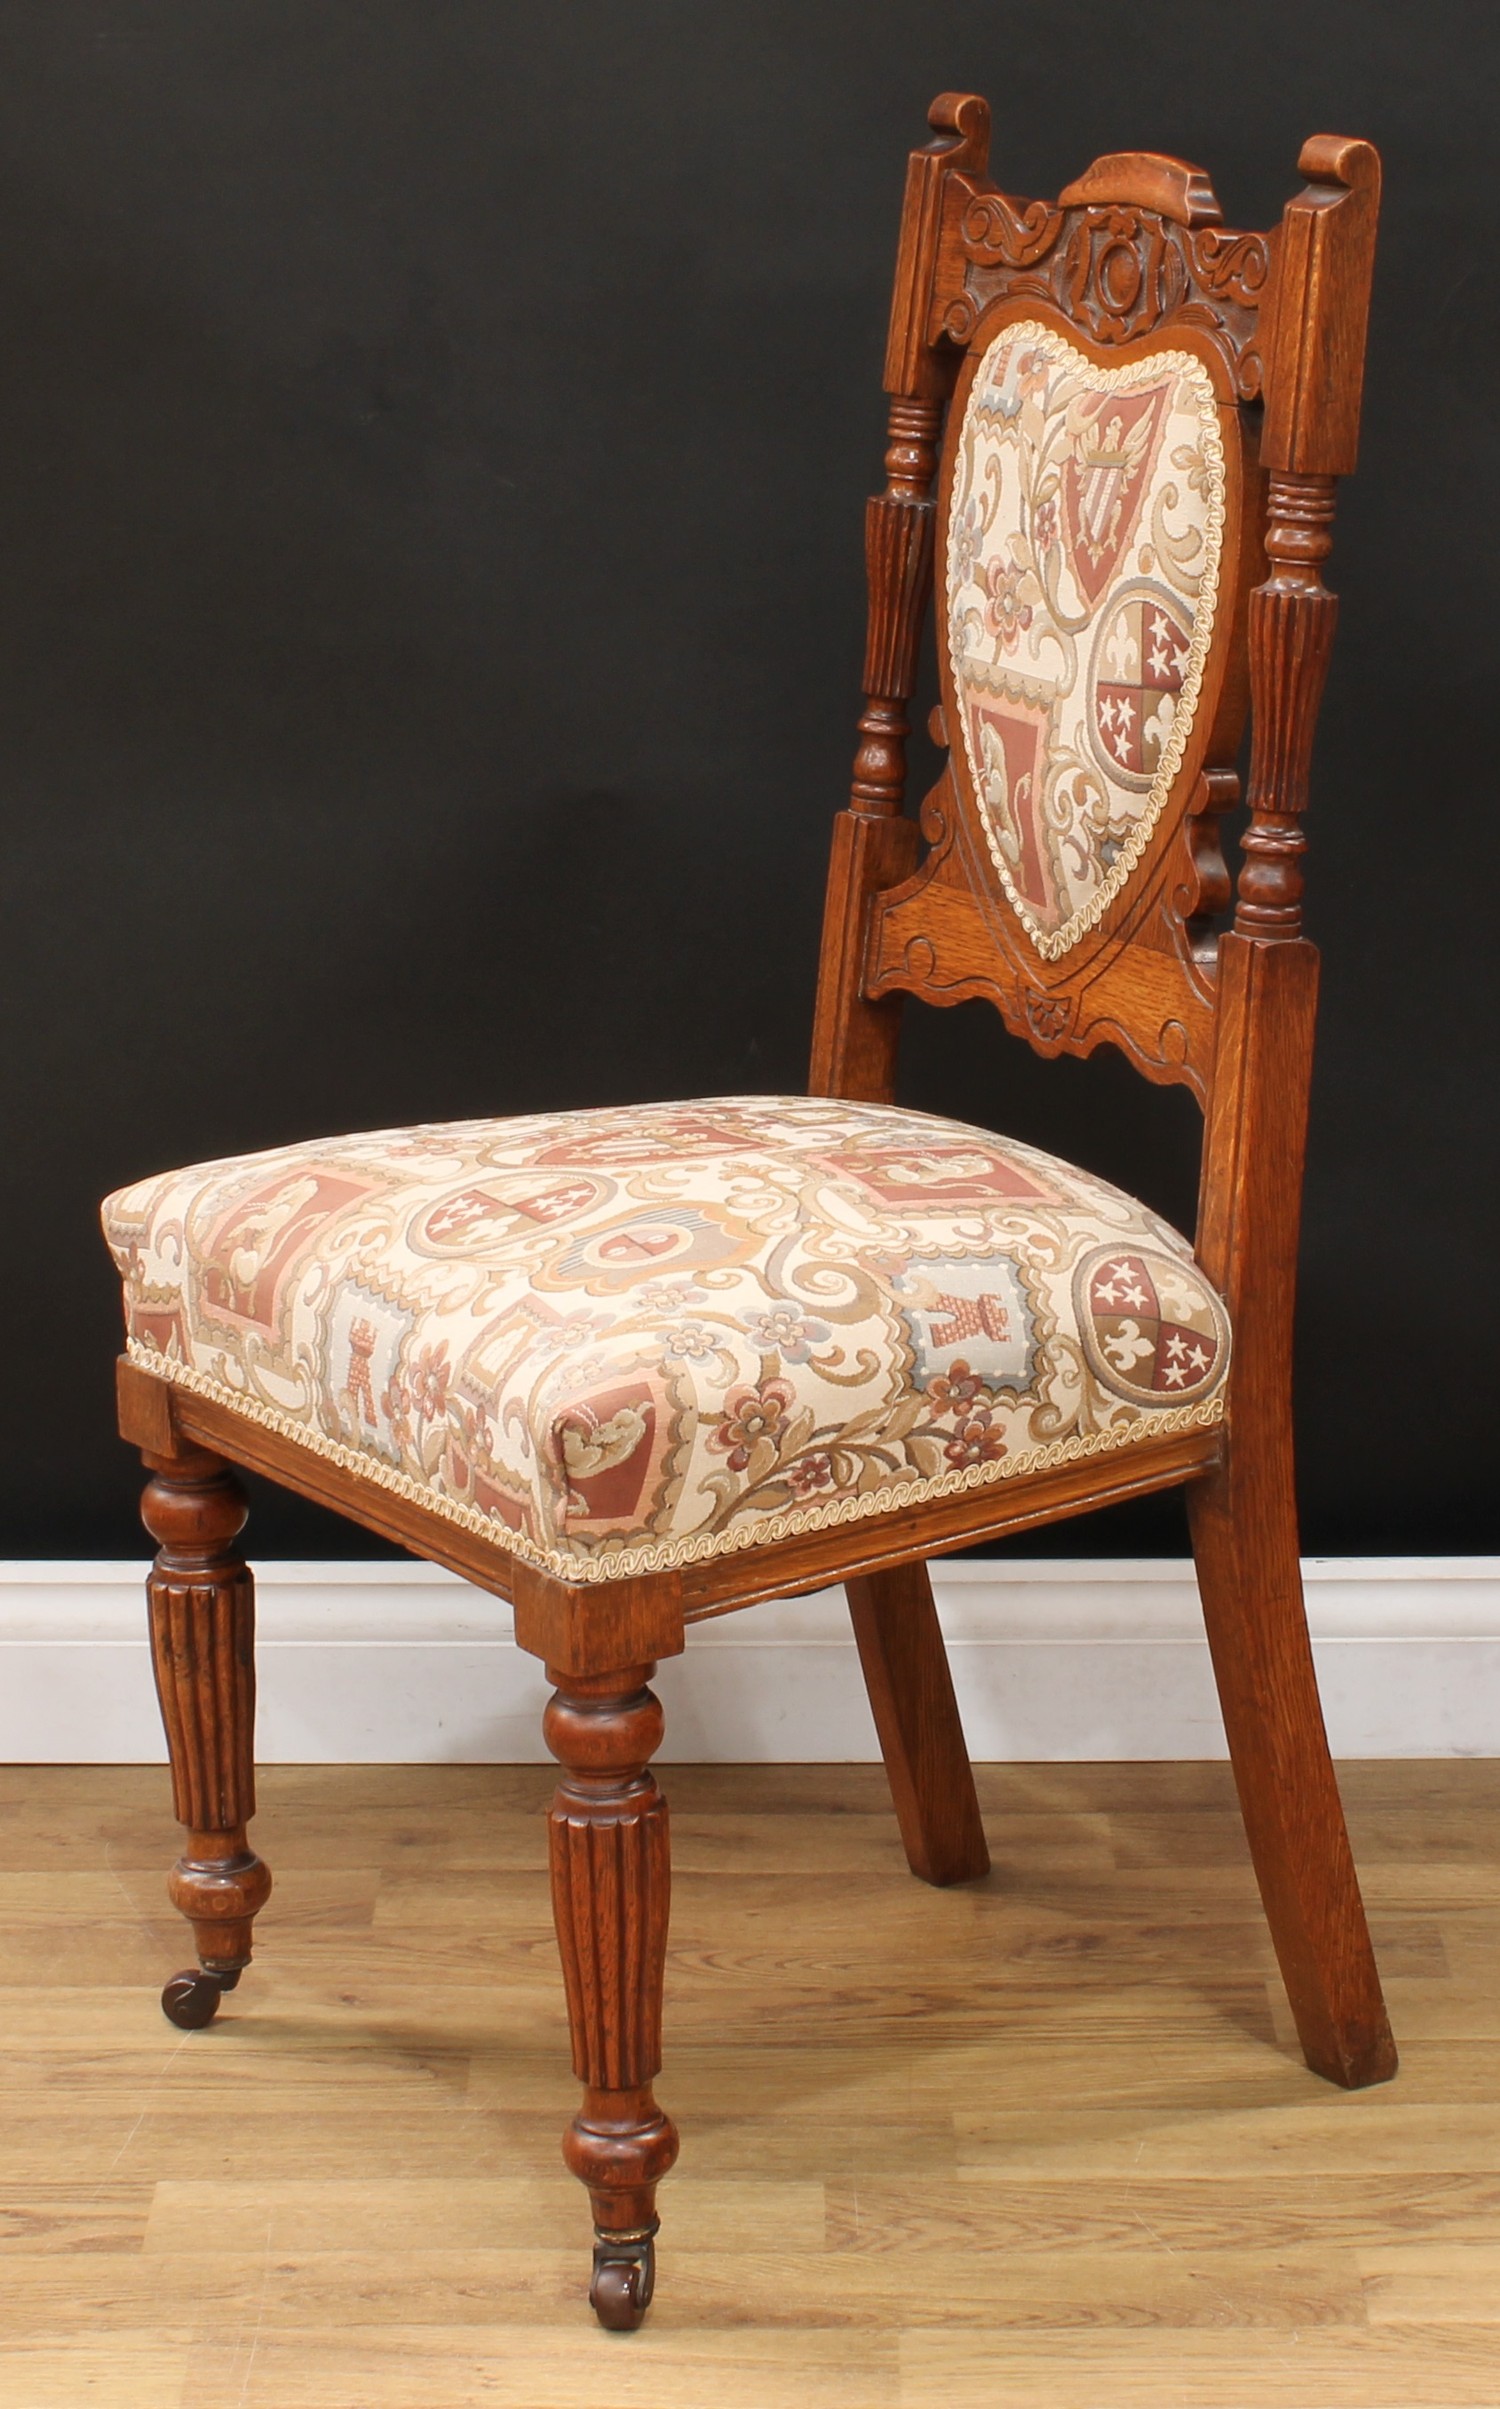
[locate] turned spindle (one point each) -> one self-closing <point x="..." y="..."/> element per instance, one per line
<point x="201" y="1598"/>
<point x="1292" y="620"/>
<point x="898" y="564"/>
<point x="610" y="1884"/>
<point x="874" y="846"/>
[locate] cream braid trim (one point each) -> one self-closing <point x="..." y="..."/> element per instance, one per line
<point x="694" y="1547"/>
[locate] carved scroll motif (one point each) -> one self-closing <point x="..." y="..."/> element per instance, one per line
<point x="1000" y="232"/>
<point x="939" y="936"/>
<point x="1116" y="271"/>
<point x="1204" y="889"/>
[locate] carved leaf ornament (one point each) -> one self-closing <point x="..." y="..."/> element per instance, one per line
<point x="1084" y="537"/>
<point x="1117" y="271"/>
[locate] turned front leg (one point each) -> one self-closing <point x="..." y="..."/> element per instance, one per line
<point x="611" y="1877"/>
<point x="201" y="1597"/>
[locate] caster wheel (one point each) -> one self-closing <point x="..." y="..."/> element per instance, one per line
<point x="624" y="2280"/>
<point x="191" y="1999"/>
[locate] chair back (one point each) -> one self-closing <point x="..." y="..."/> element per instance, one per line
<point x="1145" y="416"/>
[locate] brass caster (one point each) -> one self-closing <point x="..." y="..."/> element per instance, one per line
<point x="191" y="1999"/>
<point x="624" y="2279"/>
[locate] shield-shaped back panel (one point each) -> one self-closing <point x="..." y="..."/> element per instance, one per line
<point x="1086" y="564"/>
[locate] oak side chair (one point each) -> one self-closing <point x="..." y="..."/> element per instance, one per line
<point x="632" y="1368"/>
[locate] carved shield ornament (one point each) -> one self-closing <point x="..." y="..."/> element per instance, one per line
<point x="1085" y="530"/>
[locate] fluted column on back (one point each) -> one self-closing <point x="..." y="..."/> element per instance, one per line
<point x="898" y="567"/>
<point x="1292" y="622"/>
<point x="874" y="845"/>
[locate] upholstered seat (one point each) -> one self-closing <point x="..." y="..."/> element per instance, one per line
<point x="620" y="1340"/>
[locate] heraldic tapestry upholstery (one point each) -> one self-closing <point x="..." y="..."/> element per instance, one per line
<point x="1085" y="527"/>
<point x="619" y="1340"/>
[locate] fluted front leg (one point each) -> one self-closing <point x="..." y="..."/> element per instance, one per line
<point x="610" y="1882"/>
<point x="202" y="1606"/>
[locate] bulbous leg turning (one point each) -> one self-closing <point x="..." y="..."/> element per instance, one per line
<point x="202" y="1608"/>
<point x="610" y="1883"/>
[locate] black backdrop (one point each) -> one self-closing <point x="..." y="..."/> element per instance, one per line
<point x="433" y="436"/>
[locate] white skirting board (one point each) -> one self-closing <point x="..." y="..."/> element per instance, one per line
<point x="397" y="1663"/>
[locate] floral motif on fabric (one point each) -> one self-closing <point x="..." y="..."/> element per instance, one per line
<point x="1085" y="528"/>
<point x="615" y="1341"/>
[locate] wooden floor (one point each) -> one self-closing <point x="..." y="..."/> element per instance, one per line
<point x="1040" y="2141"/>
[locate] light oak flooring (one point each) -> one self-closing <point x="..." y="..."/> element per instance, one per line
<point x="1041" y="2141"/>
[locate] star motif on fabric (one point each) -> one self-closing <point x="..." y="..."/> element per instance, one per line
<point x="1117" y="1284"/>
<point x="460" y="1213"/>
<point x="1184" y="1362"/>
